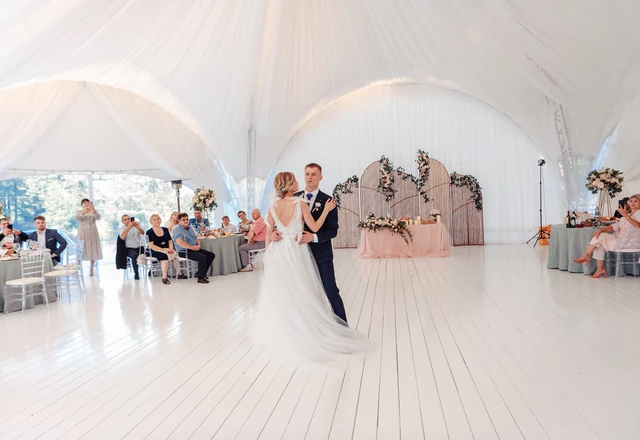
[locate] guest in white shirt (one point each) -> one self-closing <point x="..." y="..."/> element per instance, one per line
<point x="227" y="226"/>
<point x="48" y="239"/>
<point x="132" y="236"/>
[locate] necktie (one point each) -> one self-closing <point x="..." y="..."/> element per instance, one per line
<point x="309" y="197"/>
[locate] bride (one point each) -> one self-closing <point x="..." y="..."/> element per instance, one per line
<point x="293" y="319"/>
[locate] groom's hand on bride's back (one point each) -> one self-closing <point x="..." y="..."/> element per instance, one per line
<point x="275" y="236"/>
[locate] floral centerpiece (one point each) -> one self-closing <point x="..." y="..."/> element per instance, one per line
<point x="435" y="212"/>
<point x="205" y="200"/>
<point x="396" y="226"/>
<point x="607" y="182"/>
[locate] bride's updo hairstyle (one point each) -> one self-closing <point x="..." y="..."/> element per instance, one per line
<point x="283" y="183"/>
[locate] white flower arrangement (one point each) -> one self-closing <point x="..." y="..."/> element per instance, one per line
<point x="435" y="212"/>
<point x="605" y="179"/>
<point x="204" y="199"/>
<point x="396" y="226"/>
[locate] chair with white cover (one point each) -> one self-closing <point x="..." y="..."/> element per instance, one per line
<point x="65" y="278"/>
<point x="74" y="255"/>
<point x="32" y="281"/>
<point x="255" y="256"/>
<point x="151" y="263"/>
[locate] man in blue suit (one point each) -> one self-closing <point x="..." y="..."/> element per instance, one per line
<point x="320" y="242"/>
<point x="198" y="223"/>
<point x="49" y="238"/>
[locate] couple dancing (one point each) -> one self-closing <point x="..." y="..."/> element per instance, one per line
<point x="299" y="315"/>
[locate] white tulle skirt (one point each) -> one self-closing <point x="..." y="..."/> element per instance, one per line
<point x="293" y="319"/>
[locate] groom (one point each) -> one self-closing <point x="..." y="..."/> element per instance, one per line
<point x="320" y="243"/>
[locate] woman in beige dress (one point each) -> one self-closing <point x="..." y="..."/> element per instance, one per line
<point x="88" y="232"/>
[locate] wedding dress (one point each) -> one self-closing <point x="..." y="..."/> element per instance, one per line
<point x="293" y="319"/>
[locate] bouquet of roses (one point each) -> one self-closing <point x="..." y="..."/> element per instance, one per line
<point x="204" y="200"/>
<point x="396" y="226"/>
<point x="605" y="179"/>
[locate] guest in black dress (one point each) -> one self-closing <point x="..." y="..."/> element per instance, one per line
<point x="161" y="245"/>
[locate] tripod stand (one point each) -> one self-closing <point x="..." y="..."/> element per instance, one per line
<point x="541" y="234"/>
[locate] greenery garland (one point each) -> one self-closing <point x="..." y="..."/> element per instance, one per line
<point x="345" y="188"/>
<point x="423" y="174"/>
<point x="396" y="226"/>
<point x="471" y="182"/>
<point x="386" y="179"/>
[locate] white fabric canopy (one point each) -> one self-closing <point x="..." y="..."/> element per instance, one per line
<point x="196" y="76"/>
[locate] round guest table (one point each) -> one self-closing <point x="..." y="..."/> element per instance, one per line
<point x="10" y="269"/>
<point x="569" y="243"/>
<point x="430" y="241"/>
<point x="227" y="256"/>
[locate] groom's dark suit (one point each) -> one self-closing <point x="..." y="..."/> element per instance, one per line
<point x="323" y="252"/>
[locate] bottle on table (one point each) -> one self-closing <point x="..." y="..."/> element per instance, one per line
<point x="567" y="220"/>
<point x="574" y="220"/>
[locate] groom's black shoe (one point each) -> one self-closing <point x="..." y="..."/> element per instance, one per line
<point x="203" y="281"/>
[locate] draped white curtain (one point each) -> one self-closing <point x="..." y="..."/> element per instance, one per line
<point x="464" y="134"/>
<point x="27" y="114"/>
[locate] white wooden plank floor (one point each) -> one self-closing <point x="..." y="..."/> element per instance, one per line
<point x="488" y="344"/>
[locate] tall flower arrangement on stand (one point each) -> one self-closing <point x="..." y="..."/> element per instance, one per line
<point x="606" y="182"/>
<point x="205" y="200"/>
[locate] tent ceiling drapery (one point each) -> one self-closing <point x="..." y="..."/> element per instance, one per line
<point x="163" y="72"/>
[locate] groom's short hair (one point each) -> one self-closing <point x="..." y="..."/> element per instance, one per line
<point x="314" y="165"/>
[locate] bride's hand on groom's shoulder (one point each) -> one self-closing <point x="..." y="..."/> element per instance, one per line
<point x="330" y="205"/>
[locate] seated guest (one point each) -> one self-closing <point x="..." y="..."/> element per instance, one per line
<point x="626" y="235"/>
<point x="129" y="245"/>
<point x="226" y="225"/>
<point x="186" y="239"/>
<point x="255" y="240"/>
<point x="624" y="203"/>
<point x="172" y="222"/>
<point x="48" y="238"/>
<point x="245" y="224"/>
<point x="161" y="245"/>
<point x="198" y="223"/>
<point x="8" y="235"/>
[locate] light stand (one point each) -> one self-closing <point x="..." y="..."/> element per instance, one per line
<point x="541" y="234"/>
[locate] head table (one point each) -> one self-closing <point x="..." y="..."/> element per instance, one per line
<point x="10" y="269"/>
<point x="430" y="240"/>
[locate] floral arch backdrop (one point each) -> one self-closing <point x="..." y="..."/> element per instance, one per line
<point x="384" y="190"/>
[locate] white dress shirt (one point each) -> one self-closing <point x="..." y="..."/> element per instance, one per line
<point x="314" y="194"/>
<point x="42" y="239"/>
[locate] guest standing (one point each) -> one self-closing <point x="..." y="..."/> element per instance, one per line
<point x="88" y="231"/>
<point x="255" y="240"/>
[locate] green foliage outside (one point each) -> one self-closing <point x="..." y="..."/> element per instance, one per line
<point x="57" y="197"/>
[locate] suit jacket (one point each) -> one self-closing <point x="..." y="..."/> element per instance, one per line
<point x="322" y="250"/>
<point x="193" y="223"/>
<point x="53" y="241"/>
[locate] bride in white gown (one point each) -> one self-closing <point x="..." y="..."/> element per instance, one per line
<point x="293" y="319"/>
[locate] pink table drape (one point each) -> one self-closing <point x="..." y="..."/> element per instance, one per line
<point x="428" y="241"/>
